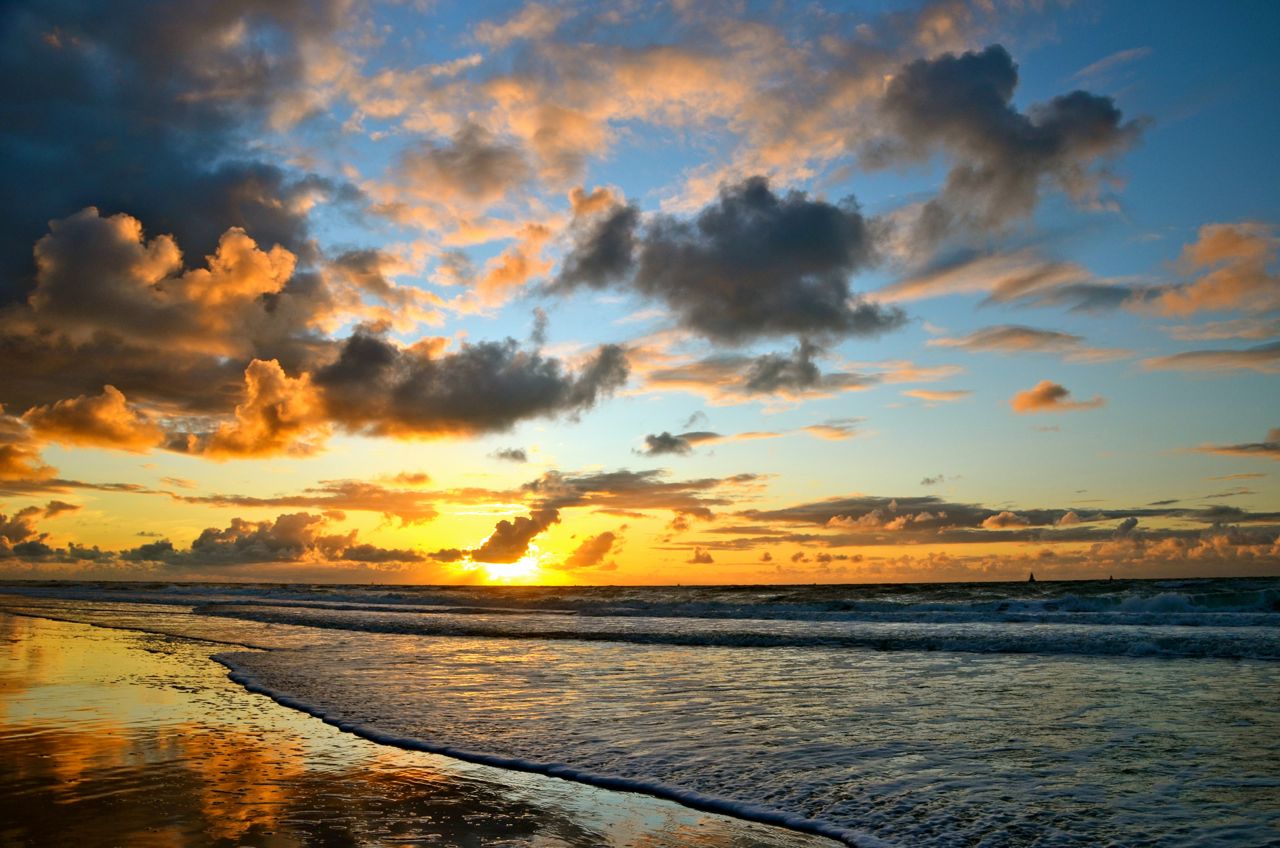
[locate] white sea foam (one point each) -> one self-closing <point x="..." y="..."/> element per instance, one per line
<point x="919" y="634"/>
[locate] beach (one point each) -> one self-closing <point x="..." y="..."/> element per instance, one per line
<point x="115" y="737"/>
<point x="1051" y="714"/>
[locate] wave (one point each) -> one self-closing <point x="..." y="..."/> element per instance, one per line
<point x="1233" y="602"/>
<point x="658" y="789"/>
<point x="1262" y="643"/>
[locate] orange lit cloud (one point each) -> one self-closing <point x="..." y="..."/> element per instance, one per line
<point x="1234" y="259"/>
<point x="1048" y="396"/>
<point x="278" y="415"/>
<point x="1269" y="448"/>
<point x="105" y="420"/>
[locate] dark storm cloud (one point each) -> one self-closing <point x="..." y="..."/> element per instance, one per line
<point x="142" y="107"/>
<point x="603" y="250"/>
<point x="774" y="373"/>
<point x="751" y="264"/>
<point x="963" y="105"/>
<point x="42" y="369"/>
<point x="378" y="387"/>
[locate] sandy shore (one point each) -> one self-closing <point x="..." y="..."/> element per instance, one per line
<point x="111" y="737"/>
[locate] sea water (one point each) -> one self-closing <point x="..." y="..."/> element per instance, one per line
<point x="1064" y="713"/>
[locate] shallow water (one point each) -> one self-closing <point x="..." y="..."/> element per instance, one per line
<point x="1136" y="713"/>
<point x="115" y="738"/>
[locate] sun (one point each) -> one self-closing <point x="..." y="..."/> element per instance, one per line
<point x="522" y="570"/>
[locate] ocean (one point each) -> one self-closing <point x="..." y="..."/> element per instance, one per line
<point x="1048" y="714"/>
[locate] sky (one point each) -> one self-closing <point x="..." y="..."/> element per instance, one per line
<point x="638" y="292"/>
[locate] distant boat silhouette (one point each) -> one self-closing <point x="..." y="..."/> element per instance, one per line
<point x="1031" y="577"/>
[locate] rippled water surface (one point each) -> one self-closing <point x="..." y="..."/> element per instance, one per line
<point x="111" y="738"/>
<point x="1126" y="713"/>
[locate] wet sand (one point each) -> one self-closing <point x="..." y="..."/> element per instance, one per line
<point x="112" y="737"/>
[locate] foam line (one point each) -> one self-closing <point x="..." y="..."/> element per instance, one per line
<point x="656" y="789"/>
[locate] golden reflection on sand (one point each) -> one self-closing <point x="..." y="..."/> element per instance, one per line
<point x="112" y="737"/>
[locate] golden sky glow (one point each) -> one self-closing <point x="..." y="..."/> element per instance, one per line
<point x="661" y="293"/>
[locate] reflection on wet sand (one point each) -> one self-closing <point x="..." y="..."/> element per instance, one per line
<point x="117" y="738"/>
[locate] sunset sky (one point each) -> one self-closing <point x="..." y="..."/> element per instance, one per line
<point x="686" y="292"/>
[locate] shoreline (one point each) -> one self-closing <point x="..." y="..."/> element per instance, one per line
<point x="690" y="800"/>
<point x="93" y="687"/>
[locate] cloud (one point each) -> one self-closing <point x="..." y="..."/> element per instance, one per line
<point x="56" y="508"/>
<point x="1004" y="520"/>
<point x="375" y="386"/>
<point x="113" y="307"/>
<point x="678" y="444"/>
<point x="700" y="556"/>
<point x="1227" y="266"/>
<point x="1234" y="259"/>
<point x="751" y="264"/>
<point x="1254" y="329"/>
<point x="862" y="520"/>
<point x="105" y="420"/>
<point x="1264" y="358"/>
<point x="938" y="395"/>
<point x="1269" y="448"/>
<point x="773" y="373"/>
<point x="408" y="506"/>
<point x="591" y="552"/>
<point x="1048" y="396"/>
<point x="1012" y="338"/>
<point x="1022" y="275"/>
<point x="962" y="105"/>
<point x="368" y="272"/>
<point x="20" y="452"/>
<point x="533" y="21"/>
<point x="933" y="481"/>
<point x="604" y="245"/>
<point x="510" y="539"/>
<point x="626" y="491"/>
<point x="1125" y="527"/>
<point x="734" y="378"/>
<point x="162" y="135"/>
<point x="473" y="166"/>
<point x="279" y="414"/>
<point x="100" y="273"/>
<point x="292" y="537"/>
<point x="1111" y="62"/>
<point x="511" y="454"/>
<point x="1015" y="338"/>
<point x="835" y="430"/>
<point x="19" y="536"/>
